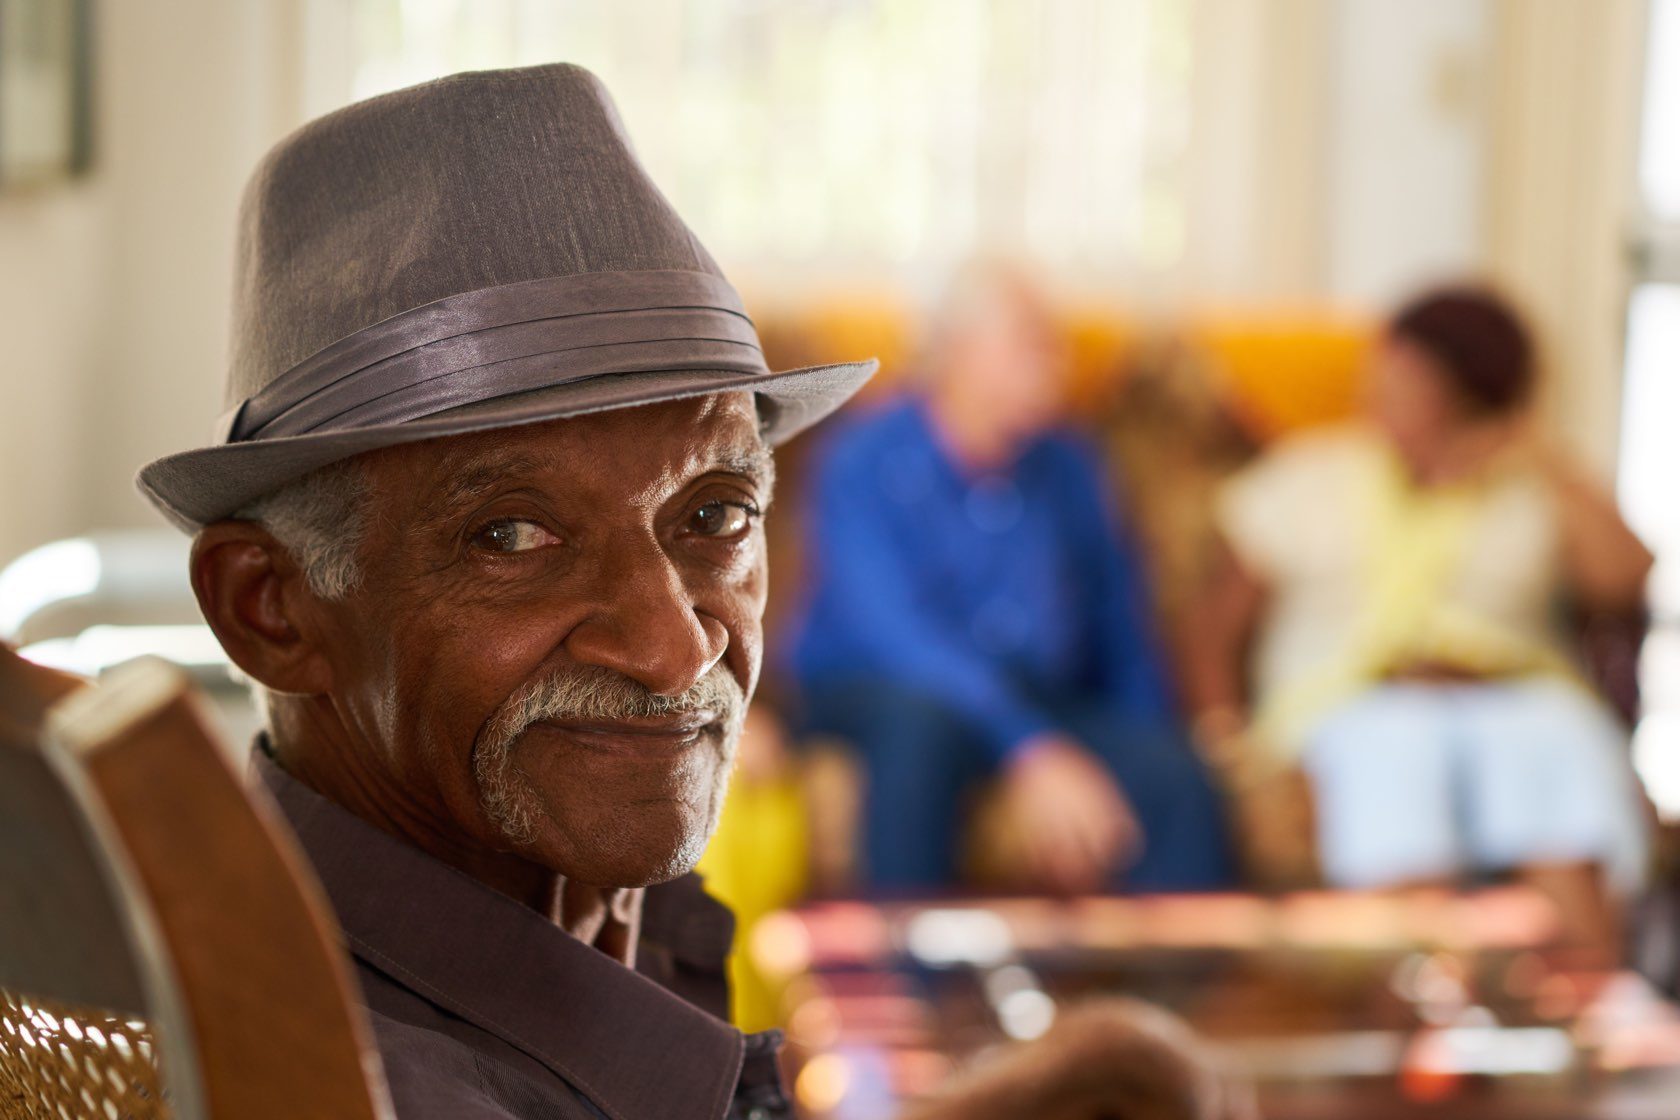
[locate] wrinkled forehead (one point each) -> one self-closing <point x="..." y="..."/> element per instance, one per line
<point x="611" y="456"/>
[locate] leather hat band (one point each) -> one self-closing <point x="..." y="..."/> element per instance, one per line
<point x="495" y="342"/>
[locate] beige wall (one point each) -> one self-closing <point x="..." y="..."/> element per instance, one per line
<point x="53" y="294"/>
<point x="1408" y="121"/>
<point x="115" y="287"/>
<point x="195" y="91"/>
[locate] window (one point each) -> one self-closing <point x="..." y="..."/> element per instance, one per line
<point x="1650" y="455"/>
<point x="862" y="134"/>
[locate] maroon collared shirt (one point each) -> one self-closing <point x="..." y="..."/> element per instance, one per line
<point x="484" y="1010"/>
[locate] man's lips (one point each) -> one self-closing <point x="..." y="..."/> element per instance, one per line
<point x="637" y="734"/>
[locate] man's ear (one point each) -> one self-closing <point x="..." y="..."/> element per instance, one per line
<point x="260" y="607"/>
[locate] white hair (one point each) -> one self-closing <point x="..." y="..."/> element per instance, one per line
<point x="320" y="520"/>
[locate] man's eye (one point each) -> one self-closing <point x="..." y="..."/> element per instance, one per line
<point x="513" y="535"/>
<point x="723" y="519"/>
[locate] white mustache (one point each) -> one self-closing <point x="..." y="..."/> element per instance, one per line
<point x="585" y="693"/>
<point x="593" y="693"/>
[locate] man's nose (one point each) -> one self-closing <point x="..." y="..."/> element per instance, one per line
<point x="646" y="625"/>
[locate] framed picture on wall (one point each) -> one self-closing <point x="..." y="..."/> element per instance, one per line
<point x="45" y="87"/>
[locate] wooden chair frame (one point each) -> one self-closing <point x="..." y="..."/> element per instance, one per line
<point x="228" y="948"/>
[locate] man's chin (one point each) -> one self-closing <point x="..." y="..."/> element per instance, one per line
<point x="608" y="871"/>
<point x="640" y="857"/>
<point x="674" y="868"/>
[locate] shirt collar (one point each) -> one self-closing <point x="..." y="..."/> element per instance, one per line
<point x="634" y="1049"/>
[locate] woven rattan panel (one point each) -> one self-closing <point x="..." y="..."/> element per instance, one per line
<point x="64" y="1063"/>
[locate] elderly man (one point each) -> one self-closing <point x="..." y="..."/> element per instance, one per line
<point x="978" y="609"/>
<point x="484" y="523"/>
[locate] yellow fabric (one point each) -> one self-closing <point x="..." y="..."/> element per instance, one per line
<point x="1408" y="616"/>
<point x="758" y="862"/>
<point x="1283" y="368"/>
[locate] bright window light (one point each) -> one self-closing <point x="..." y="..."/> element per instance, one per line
<point x="100" y="647"/>
<point x="50" y="574"/>
<point x="1659" y="148"/>
<point x="863" y="134"/>
<point x="949" y="937"/>
<point x="1650" y="462"/>
<point x="1656" y="756"/>
<point x="1650" y="454"/>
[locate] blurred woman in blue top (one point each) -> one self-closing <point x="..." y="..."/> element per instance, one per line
<point x="977" y="607"/>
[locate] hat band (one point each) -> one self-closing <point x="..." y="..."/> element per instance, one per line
<point x="499" y="341"/>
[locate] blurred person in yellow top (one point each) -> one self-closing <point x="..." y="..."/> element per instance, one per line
<point x="1387" y="619"/>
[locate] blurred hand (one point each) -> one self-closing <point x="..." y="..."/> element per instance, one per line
<point x="1269" y="805"/>
<point x="1110" y="1057"/>
<point x="1073" y="820"/>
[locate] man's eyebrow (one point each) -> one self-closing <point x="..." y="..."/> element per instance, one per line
<point x="471" y="478"/>
<point x="757" y="464"/>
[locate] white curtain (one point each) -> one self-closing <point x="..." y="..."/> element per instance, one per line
<point x="830" y="138"/>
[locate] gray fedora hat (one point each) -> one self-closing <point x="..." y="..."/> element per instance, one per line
<point x="476" y="252"/>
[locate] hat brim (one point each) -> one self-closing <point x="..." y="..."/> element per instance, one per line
<point x="195" y="488"/>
